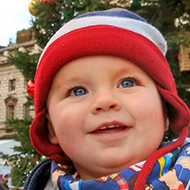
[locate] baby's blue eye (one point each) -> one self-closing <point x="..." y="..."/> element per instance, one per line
<point x="126" y="83"/>
<point x="78" y="91"/>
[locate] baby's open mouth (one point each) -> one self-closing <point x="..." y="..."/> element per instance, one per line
<point x="110" y="127"/>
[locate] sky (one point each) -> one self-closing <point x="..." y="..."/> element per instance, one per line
<point x="14" y="16"/>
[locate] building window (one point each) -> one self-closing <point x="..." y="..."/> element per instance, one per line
<point x="26" y="111"/>
<point x="11" y="112"/>
<point x="10" y="103"/>
<point x="12" y="85"/>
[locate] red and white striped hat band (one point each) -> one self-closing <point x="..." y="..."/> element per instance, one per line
<point x="114" y="18"/>
<point x="116" y="32"/>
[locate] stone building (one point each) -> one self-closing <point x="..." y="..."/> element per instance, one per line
<point x="13" y="87"/>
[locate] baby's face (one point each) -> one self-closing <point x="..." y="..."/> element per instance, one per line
<point x="106" y="114"/>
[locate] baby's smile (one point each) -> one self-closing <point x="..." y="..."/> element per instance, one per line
<point x="113" y="128"/>
<point x="110" y="125"/>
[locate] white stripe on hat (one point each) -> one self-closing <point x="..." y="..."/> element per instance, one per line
<point x="140" y="27"/>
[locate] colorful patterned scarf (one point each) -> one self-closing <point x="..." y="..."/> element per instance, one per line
<point x="170" y="172"/>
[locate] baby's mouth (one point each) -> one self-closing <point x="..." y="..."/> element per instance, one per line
<point x="110" y="127"/>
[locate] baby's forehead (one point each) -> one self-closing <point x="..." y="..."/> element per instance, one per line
<point x="82" y="68"/>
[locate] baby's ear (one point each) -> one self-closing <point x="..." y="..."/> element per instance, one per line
<point x="166" y="119"/>
<point x="51" y="133"/>
<point x="167" y="124"/>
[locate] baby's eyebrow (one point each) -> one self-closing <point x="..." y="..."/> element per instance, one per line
<point x="69" y="81"/>
<point x="124" y="71"/>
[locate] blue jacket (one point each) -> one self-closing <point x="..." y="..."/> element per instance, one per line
<point x="39" y="177"/>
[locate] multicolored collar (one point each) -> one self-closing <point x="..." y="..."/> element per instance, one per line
<point x="170" y="172"/>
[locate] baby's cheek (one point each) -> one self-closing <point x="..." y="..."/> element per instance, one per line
<point x="151" y="108"/>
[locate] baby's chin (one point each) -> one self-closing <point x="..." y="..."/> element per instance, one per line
<point x="118" y="162"/>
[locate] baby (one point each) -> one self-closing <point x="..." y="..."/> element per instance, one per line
<point x="104" y="96"/>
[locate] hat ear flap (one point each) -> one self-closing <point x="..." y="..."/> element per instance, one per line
<point x="177" y="111"/>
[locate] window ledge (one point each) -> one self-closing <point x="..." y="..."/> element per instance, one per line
<point x="12" y="92"/>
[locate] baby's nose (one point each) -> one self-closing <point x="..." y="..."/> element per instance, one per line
<point x="105" y="102"/>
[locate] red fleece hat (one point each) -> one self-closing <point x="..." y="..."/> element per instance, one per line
<point x="115" y="32"/>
